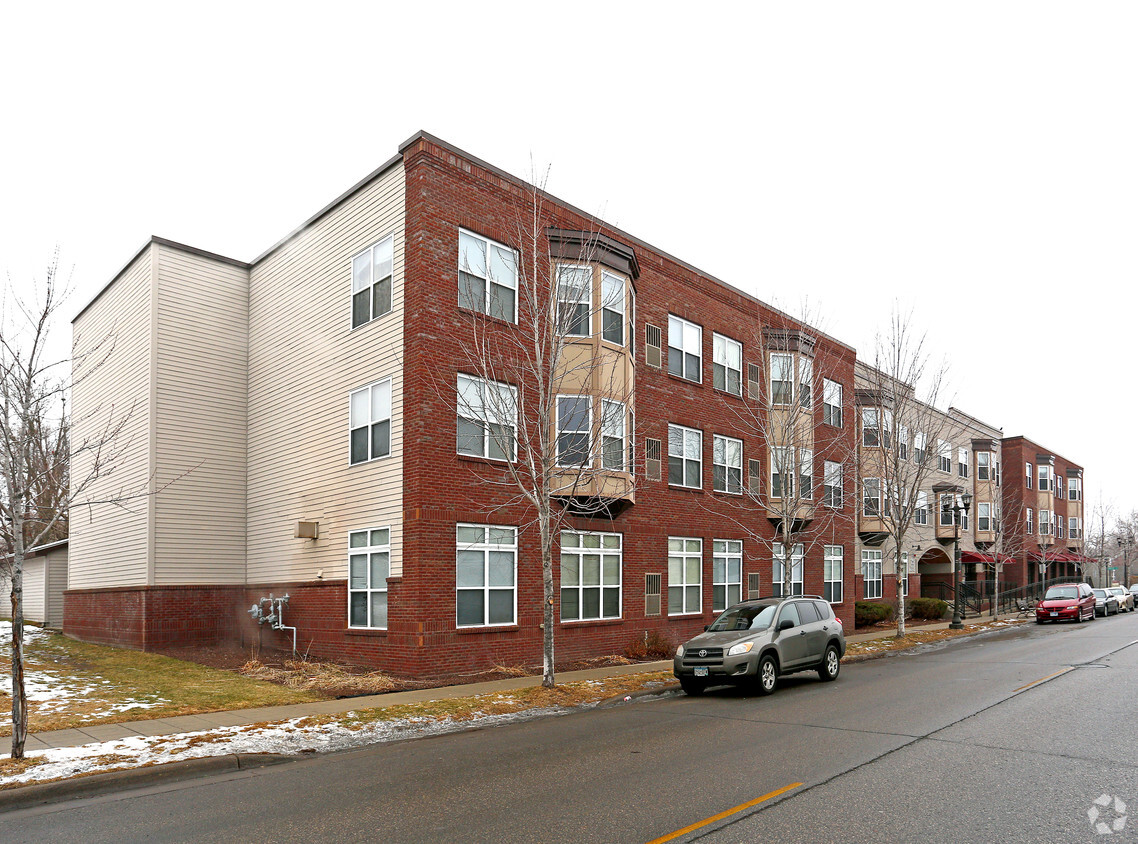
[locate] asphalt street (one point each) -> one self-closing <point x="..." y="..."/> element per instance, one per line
<point x="1009" y="736"/>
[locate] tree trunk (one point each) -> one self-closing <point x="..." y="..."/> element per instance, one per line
<point x="547" y="678"/>
<point x="19" y="698"/>
<point x="901" y="580"/>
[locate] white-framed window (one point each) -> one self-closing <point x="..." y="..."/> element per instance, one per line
<point x="591" y="575"/>
<point x="726" y="573"/>
<point x="944" y="456"/>
<point x="727" y="364"/>
<point x="612" y="308"/>
<point x="727" y="465"/>
<point x="1060" y="490"/>
<point x="947" y="514"/>
<point x="1044" y="522"/>
<point x="1060" y="527"/>
<point x="574" y="299"/>
<point x="685" y="461"/>
<point x="902" y="442"/>
<point x="983" y="465"/>
<point x="574" y="423"/>
<point x="487" y="276"/>
<point x="369" y="412"/>
<point x="832" y="561"/>
<point x="871" y="572"/>
<point x="685" y="349"/>
<point x="805" y="381"/>
<point x="920" y="450"/>
<point x="1030" y="484"/>
<point x="613" y="439"/>
<point x="371" y="281"/>
<point x="782" y="378"/>
<point x="1044" y="478"/>
<point x="486" y="567"/>
<point x="921" y="511"/>
<point x="1075" y="489"/>
<point x="832" y="485"/>
<point x="1075" y="527"/>
<point x="962" y="462"/>
<point x="983" y="516"/>
<point x="805" y="473"/>
<point x="1028" y="524"/>
<point x="870" y="427"/>
<point x="369" y="564"/>
<point x="487" y="418"/>
<point x="782" y="472"/>
<point x="831" y="402"/>
<point x="871" y="497"/>
<point x="685" y="575"/>
<point x="778" y="560"/>
<point x="963" y="515"/>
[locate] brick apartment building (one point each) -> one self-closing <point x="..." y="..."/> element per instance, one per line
<point x="1043" y="501"/>
<point x="299" y="415"/>
<point x="315" y="423"/>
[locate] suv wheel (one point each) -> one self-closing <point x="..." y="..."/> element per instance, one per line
<point x="692" y="686"/>
<point x="767" y="680"/>
<point x="831" y="664"/>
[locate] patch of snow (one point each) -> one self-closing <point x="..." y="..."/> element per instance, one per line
<point x="289" y="737"/>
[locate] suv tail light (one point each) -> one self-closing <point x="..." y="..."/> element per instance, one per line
<point x="839" y="622"/>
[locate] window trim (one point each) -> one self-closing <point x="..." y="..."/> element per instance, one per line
<point x="726" y="555"/>
<point x="486" y="437"/>
<point x="726" y="466"/>
<point x="829" y="408"/>
<point x="581" y="550"/>
<point x="587" y="322"/>
<point x="683" y="458"/>
<point x="921" y="509"/>
<point x="371" y="286"/>
<point x="829" y="558"/>
<point x="588" y="462"/>
<point x="367" y="551"/>
<point x="797" y="566"/>
<point x="625" y="323"/>
<point x="371" y="423"/>
<point x="684" y="554"/>
<point x="487" y="278"/>
<point x="868" y="561"/>
<point x="771" y="381"/>
<point x="727" y="369"/>
<point x="832" y="470"/>
<point x="486" y="547"/>
<point x="684" y="353"/>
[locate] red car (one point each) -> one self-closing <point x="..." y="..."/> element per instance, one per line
<point x="1066" y="601"/>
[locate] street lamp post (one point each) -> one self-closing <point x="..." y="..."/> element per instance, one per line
<point x="957" y="614"/>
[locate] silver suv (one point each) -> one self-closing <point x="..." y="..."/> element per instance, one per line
<point x="755" y="642"/>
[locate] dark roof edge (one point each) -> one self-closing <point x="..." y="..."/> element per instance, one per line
<point x="160" y="241"/>
<point x="421" y="135"/>
<point x="348" y="194"/>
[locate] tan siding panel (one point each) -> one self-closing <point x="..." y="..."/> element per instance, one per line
<point x="109" y="544"/>
<point x="56" y="583"/>
<point x="304" y="361"/>
<point x="200" y="422"/>
<point x="35" y="590"/>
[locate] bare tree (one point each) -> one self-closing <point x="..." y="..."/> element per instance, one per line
<point x="548" y="402"/>
<point x="36" y="487"/>
<point x="903" y="439"/>
<point x="795" y="412"/>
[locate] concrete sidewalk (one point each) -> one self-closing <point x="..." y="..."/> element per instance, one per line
<point x="242" y="717"/>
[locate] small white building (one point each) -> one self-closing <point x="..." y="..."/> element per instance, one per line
<point x="45" y="578"/>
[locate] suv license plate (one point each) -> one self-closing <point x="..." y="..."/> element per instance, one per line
<point x="701" y="672"/>
<point x="1054" y="614"/>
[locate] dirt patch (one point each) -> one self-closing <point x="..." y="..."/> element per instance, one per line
<point x="856" y="651"/>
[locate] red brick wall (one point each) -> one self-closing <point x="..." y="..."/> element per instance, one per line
<point x="151" y="617"/>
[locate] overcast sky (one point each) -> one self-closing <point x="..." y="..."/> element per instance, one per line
<point x="973" y="162"/>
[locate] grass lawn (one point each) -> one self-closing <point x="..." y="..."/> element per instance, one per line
<point x="74" y="684"/>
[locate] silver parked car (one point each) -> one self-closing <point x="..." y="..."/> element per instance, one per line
<point x="755" y="642"/>
<point x="1125" y="598"/>
<point x="1106" y="602"/>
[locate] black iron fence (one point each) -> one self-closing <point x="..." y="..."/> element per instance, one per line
<point x="978" y="597"/>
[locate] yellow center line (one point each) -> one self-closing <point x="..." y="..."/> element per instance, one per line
<point x="673" y="835"/>
<point x="1043" y="679"/>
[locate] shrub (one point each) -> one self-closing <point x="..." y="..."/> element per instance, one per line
<point x="931" y="609"/>
<point x="867" y="613"/>
<point x="652" y="645"/>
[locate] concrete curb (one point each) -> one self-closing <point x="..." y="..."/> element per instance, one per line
<point x="38" y="794"/>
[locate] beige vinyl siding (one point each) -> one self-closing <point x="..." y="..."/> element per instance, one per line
<point x="200" y="399"/>
<point x="56" y="582"/>
<point x="35" y="590"/>
<point x="109" y="545"/>
<point x="304" y="360"/>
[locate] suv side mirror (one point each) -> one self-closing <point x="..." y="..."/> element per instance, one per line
<point x="785" y="624"/>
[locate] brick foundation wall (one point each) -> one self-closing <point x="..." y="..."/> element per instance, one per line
<point x="153" y="617"/>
